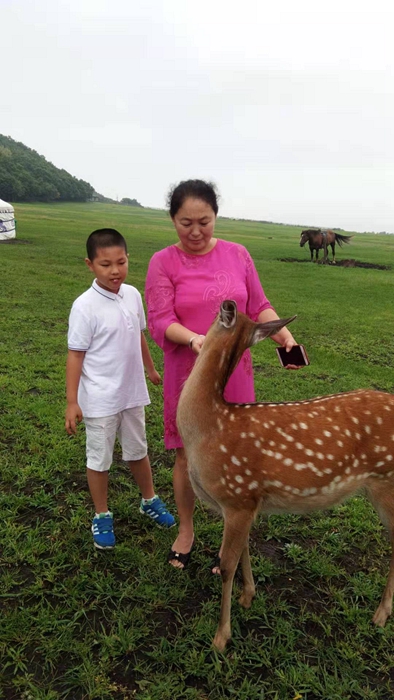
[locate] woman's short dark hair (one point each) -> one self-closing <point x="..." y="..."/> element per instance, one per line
<point x="195" y="189"/>
<point x="104" y="238"/>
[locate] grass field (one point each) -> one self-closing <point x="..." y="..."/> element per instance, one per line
<point x="80" y="624"/>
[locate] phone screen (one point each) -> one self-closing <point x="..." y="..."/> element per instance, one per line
<point x="296" y="356"/>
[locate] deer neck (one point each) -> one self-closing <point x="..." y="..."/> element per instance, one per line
<point x="214" y="366"/>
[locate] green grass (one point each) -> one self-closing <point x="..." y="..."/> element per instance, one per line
<point x="79" y="624"/>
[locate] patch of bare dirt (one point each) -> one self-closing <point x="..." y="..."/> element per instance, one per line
<point x="340" y="263"/>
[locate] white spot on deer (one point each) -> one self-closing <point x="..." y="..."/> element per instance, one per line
<point x="253" y="485"/>
<point x="252" y="435"/>
<point x="327" y="433"/>
<point x="355" y="420"/>
<point x="347" y="432"/>
<point x="272" y="422"/>
<point x="309" y="452"/>
<point x="389" y="458"/>
<point x="239" y="479"/>
<point x="356" y="463"/>
<point x="379" y="420"/>
<point x="319" y="455"/>
<point x="347" y="470"/>
<point x="336" y="427"/>
<point x="266" y="425"/>
<point x="257" y="443"/>
<point x="231" y="486"/>
<point x="294" y="426"/>
<point x="299" y="466"/>
<point x="248" y="472"/>
<point x="272" y="443"/>
<point x="367" y="429"/>
<point x="367" y="413"/>
<point x="220" y="424"/>
<point x="304" y="426"/>
<point x="339" y="443"/>
<point x="318" y="441"/>
<point x="245" y="459"/>
<point x="223" y="448"/>
<point x="299" y="446"/>
<point x="278" y="455"/>
<point x="247" y="405"/>
<point x="235" y="461"/>
<point x="222" y="480"/>
<point x="287" y="462"/>
<point x="238" y="490"/>
<point x="232" y="416"/>
<point x="337" y="409"/>
<point x="243" y="435"/>
<point x="379" y="464"/>
<point x="254" y="420"/>
<point x="330" y="456"/>
<point x="225" y="467"/>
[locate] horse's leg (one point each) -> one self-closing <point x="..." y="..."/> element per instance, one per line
<point x="325" y="248"/>
<point x="311" y="250"/>
<point x="316" y="254"/>
<point x="333" y="252"/>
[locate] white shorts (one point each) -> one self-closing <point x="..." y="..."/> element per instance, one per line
<point x="128" y="425"/>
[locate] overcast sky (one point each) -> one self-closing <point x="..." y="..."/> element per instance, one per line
<point x="287" y="105"/>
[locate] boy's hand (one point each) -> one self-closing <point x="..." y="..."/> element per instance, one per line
<point x="154" y="377"/>
<point x="73" y="417"/>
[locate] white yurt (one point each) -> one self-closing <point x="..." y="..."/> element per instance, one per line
<point x="7" y="221"/>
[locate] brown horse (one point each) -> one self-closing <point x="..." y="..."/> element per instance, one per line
<point x="320" y="239"/>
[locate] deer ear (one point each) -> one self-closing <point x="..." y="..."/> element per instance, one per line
<point x="265" y="330"/>
<point x="228" y="313"/>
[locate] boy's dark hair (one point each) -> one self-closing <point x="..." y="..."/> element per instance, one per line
<point x="196" y="189"/>
<point x="104" y="238"/>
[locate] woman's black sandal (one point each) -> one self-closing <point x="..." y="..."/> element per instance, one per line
<point x="179" y="556"/>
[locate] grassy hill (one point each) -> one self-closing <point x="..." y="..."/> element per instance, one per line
<point x="80" y="624"/>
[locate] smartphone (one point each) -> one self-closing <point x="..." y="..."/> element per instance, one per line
<point x="296" y="356"/>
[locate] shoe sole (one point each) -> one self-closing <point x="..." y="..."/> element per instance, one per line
<point x="99" y="546"/>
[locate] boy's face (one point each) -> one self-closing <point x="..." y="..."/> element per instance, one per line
<point x="110" y="266"/>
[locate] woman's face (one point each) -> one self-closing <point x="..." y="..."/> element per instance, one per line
<point x="195" y="225"/>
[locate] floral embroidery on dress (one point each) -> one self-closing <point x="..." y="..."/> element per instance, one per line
<point x="218" y="290"/>
<point x="191" y="261"/>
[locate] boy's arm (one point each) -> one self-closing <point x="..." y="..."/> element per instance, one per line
<point x="73" y="374"/>
<point x="153" y="375"/>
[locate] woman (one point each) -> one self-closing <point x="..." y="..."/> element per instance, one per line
<point x="185" y="285"/>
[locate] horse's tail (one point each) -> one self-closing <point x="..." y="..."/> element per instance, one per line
<point x="340" y="239"/>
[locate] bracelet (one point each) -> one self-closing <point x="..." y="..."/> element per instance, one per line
<point x="200" y="335"/>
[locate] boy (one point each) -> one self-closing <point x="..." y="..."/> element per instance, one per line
<point x="105" y="380"/>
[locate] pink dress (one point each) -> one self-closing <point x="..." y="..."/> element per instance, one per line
<point x="188" y="289"/>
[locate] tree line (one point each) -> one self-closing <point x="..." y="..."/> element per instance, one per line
<point x="26" y="176"/>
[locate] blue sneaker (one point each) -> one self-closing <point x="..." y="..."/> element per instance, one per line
<point x="157" y="510"/>
<point x="103" y="531"/>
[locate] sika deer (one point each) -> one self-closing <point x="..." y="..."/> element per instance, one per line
<point x="292" y="457"/>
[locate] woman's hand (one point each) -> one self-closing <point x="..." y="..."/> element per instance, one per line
<point x="196" y="343"/>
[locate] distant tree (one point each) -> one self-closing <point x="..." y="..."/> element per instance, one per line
<point x="130" y="202"/>
<point x="26" y="176"/>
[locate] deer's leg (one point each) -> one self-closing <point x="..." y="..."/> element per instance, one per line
<point x="236" y="531"/>
<point x="249" y="589"/>
<point x="381" y="496"/>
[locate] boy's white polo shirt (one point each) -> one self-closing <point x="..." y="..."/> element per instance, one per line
<point x="107" y="327"/>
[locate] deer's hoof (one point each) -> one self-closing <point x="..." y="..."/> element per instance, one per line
<point x="220" y="640"/>
<point x="381" y="615"/>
